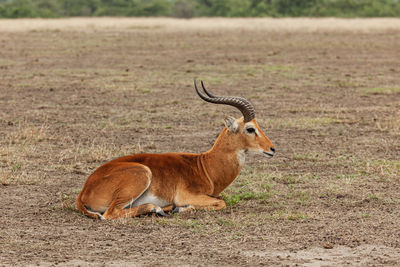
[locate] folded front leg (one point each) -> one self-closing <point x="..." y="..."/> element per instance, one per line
<point x="201" y="202"/>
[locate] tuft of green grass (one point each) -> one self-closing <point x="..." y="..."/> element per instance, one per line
<point x="232" y="200"/>
<point x="301" y="197"/>
<point x="163" y="221"/>
<point x="309" y="157"/>
<point x="288" y="179"/>
<point x="225" y="222"/>
<point x="16" y="167"/>
<point x="195" y="224"/>
<point x="347" y="83"/>
<point x="380" y="90"/>
<point x="296" y="216"/>
<point x="346" y="176"/>
<point x="145" y="91"/>
<point x="373" y="197"/>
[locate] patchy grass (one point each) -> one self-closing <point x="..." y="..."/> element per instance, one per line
<point x="20" y="148"/>
<point x="380" y="90"/>
<point x="25" y="134"/>
<point x="241" y="195"/>
<point x="390" y="124"/>
<point x="250" y="185"/>
<point x="309" y="157"/>
<point x="296" y="216"/>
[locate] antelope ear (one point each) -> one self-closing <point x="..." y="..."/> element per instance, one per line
<point x="231" y="124"/>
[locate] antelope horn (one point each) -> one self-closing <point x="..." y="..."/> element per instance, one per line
<point x="205" y="91"/>
<point x="245" y="107"/>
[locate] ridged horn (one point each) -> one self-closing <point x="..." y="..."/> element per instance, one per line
<point x="245" y="107"/>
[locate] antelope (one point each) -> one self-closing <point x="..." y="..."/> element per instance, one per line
<point x="146" y="183"/>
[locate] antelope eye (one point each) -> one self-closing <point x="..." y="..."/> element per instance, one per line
<point x="250" y="130"/>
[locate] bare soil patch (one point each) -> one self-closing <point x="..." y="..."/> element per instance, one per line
<point x="75" y="93"/>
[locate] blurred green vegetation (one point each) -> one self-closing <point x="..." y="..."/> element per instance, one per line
<point x="200" y="8"/>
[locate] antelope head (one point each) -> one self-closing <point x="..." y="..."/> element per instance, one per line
<point x="243" y="134"/>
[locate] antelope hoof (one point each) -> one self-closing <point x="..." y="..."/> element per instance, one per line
<point x="160" y="212"/>
<point x="177" y="210"/>
<point x="182" y="209"/>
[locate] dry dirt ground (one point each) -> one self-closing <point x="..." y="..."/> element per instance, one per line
<point x="75" y="93"/>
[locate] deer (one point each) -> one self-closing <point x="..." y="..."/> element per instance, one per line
<point x="145" y="183"/>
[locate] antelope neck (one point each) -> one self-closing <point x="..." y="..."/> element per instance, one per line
<point x="222" y="164"/>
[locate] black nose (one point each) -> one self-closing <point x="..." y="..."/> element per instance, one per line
<point x="272" y="149"/>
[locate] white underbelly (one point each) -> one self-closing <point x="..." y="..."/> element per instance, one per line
<point x="148" y="198"/>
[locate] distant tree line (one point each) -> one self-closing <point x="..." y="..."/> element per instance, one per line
<point x="199" y="8"/>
